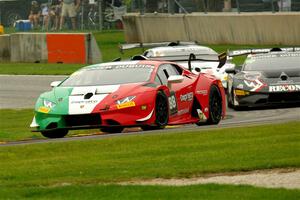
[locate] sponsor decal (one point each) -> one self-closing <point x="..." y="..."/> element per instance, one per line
<point x="44" y="109"/>
<point x="183" y="111"/>
<point x="172" y="103"/>
<point x="204" y="92"/>
<point x="84" y="102"/>
<point x="126" y="105"/>
<point x="241" y="92"/>
<point x="255" y="85"/>
<point x="186" y="97"/>
<point x="284" y="88"/>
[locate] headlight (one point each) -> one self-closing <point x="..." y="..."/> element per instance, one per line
<point x="49" y="104"/>
<point x="125" y="100"/>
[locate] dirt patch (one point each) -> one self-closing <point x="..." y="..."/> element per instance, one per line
<point x="275" y="178"/>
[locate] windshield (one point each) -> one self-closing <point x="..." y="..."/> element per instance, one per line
<point x="109" y="75"/>
<point x="290" y="61"/>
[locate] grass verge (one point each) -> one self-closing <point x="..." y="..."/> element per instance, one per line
<point x="205" y="192"/>
<point x="14" y="125"/>
<point x="149" y="156"/>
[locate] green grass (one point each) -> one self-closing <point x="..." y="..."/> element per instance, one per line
<point x="14" y="125"/>
<point x="148" y="156"/>
<point x="108" y="42"/>
<point x="204" y="192"/>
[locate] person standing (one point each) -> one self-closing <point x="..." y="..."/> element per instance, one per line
<point x="69" y="9"/>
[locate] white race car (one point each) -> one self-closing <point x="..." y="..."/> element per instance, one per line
<point x="204" y="58"/>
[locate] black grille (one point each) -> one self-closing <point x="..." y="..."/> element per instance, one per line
<point x="284" y="97"/>
<point x="82" y="120"/>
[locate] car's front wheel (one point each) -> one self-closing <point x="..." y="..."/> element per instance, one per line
<point x="55" y="133"/>
<point x="161" y="112"/>
<point x="215" y="105"/>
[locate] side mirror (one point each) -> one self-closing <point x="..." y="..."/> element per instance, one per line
<point x="174" y="79"/>
<point x="230" y="71"/>
<point x="55" y="83"/>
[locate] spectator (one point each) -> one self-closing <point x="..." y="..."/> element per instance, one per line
<point x="45" y="15"/>
<point x="34" y="15"/>
<point x="55" y="13"/>
<point x="284" y="5"/>
<point x="69" y="9"/>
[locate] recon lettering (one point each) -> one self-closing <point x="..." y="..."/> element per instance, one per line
<point x="284" y="88"/>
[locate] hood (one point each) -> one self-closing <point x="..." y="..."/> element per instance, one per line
<point x="83" y="100"/>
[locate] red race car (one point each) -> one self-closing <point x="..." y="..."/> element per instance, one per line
<point x="143" y="93"/>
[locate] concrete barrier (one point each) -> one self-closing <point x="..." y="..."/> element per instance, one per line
<point x="50" y="47"/>
<point x="215" y="28"/>
<point x="4" y="48"/>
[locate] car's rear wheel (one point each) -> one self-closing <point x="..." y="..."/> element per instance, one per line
<point x="161" y="112"/>
<point x="215" y="105"/>
<point x="117" y="129"/>
<point x="55" y="134"/>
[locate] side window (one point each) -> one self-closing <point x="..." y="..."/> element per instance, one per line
<point x="177" y="69"/>
<point x="165" y="71"/>
<point x="157" y="80"/>
<point x="172" y="69"/>
<point x="162" y="75"/>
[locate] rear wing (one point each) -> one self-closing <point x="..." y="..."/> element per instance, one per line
<point x="222" y="58"/>
<point x="241" y="52"/>
<point x="123" y="47"/>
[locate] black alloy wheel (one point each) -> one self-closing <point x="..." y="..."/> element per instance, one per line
<point x="161" y="112"/>
<point x="215" y="105"/>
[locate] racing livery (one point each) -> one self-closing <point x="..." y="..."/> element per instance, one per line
<point x="111" y="96"/>
<point x="265" y="78"/>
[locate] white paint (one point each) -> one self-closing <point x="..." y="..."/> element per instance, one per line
<point x="79" y="105"/>
<point x="145" y="118"/>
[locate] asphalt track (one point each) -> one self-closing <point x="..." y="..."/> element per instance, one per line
<point x="21" y="91"/>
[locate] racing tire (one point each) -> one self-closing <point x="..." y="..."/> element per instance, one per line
<point x="215" y="105"/>
<point x="117" y="129"/>
<point x="55" y="134"/>
<point x="161" y="113"/>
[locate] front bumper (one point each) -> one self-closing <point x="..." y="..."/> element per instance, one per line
<point x="128" y="117"/>
<point x="260" y="99"/>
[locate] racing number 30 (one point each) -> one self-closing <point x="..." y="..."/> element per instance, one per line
<point x="172" y="104"/>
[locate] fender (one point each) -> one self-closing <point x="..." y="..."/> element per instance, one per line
<point x="202" y="92"/>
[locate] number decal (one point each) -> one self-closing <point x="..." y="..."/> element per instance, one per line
<point x="172" y="104"/>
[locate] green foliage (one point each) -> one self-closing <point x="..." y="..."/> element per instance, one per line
<point x="147" y="156"/>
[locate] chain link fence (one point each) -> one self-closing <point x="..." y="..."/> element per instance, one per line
<point x="107" y="14"/>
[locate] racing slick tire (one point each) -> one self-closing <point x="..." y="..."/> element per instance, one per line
<point x="161" y="112"/>
<point x="117" y="129"/>
<point x="55" y="133"/>
<point x="215" y="105"/>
